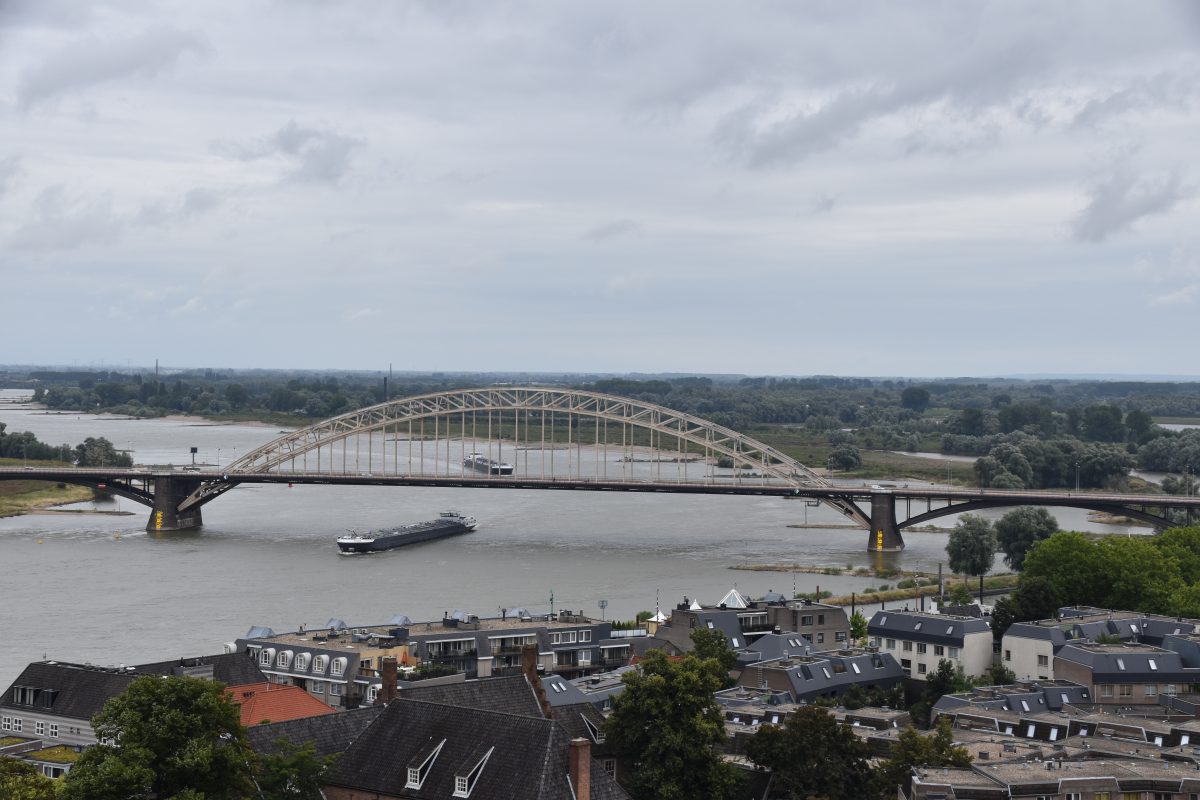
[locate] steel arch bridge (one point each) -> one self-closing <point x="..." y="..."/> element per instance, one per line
<point x="530" y="423"/>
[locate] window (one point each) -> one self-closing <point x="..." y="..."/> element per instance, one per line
<point x="1170" y="689"/>
<point x="17" y="723"/>
<point x="1029" y="731"/>
<point x="319" y="664"/>
<point x="265" y="655"/>
<point x="917" y="627"/>
<point x="736" y="642"/>
<point x="318" y="687"/>
<point x="891" y="644"/>
<point x="840" y="636"/>
<point x="854" y="666"/>
<point x="39" y="727"/>
<point x="1106" y="690"/>
<point x="610" y="767"/>
<point x="938" y="650"/>
<point x="820" y="637"/>
<point x="820" y="619"/>
<point x="922" y="648"/>
<point x="1131" y="796"/>
<point x="1150" y="690"/>
<point x="419" y="768"/>
<point x="1025" y="706"/>
<point x="906" y="647"/>
<point x="707" y="622"/>
<point x="883" y="620"/>
<point x="335" y="689"/>
<point x="1153" y="664"/>
<point x="302" y="660"/>
<point x="1043" y="661"/>
<point x="338" y="667"/>
<point x="1008" y="655"/>
<point x="556" y="638"/>
<point x="806" y="619"/>
<point x="54" y="730"/>
<point x="284" y="660"/>
<point x="1101" y="796"/>
<point x="1126" y="690"/>
<point x="1121" y="664"/>
<point x="5" y="723"/>
<point x="906" y="664"/>
<point x="585" y="658"/>
<point x="954" y="652"/>
<point x="585" y="636"/>
<point x="921" y="668"/>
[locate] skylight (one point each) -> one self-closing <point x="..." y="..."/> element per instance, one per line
<point x="1120" y="663"/>
<point x="854" y="666"/>
<point x="949" y="630"/>
<point x="917" y="627"/>
<point x="883" y="620"/>
<point x="1153" y="664"/>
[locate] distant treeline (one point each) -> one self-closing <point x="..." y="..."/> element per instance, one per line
<point x="92" y="452"/>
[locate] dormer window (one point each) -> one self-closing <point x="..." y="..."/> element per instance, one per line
<point x="463" y="783"/>
<point x="266" y="655"/>
<point x="319" y="664"/>
<point x="418" y="770"/>
<point x="284" y="660"/>
<point x="338" y="667"/>
<point x="302" y="660"/>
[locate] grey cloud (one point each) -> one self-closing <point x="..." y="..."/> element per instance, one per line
<point x="92" y="62"/>
<point x="64" y="223"/>
<point x="823" y="203"/>
<point x="318" y="156"/>
<point x="612" y="230"/>
<point x="1163" y="89"/>
<point x="194" y="203"/>
<point x="1122" y="198"/>
<point x="10" y="168"/>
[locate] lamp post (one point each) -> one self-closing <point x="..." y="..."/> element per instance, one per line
<point x="1077" y="476"/>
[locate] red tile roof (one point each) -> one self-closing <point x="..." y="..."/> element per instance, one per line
<point x="268" y="702"/>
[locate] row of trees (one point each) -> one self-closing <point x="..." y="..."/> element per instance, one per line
<point x="92" y="452"/>
<point x="1157" y="575"/>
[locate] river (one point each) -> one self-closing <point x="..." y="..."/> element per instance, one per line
<point x="97" y="587"/>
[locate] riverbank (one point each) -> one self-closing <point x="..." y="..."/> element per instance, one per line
<point x="25" y="497"/>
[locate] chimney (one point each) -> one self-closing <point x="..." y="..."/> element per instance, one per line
<point x="581" y="768"/>
<point x="529" y="665"/>
<point x="388" y="669"/>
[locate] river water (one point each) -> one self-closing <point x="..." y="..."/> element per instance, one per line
<point x="97" y="587"/>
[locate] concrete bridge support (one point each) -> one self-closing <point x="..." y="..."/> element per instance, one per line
<point x="885" y="533"/>
<point x="168" y="494"/>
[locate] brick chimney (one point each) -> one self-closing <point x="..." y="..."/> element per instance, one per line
<point x="529" y="665"/>
<point x="388" y="670"/>
<point x="580" y="762"/>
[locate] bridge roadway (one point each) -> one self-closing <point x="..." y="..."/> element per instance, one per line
<point x="175" y="495"/>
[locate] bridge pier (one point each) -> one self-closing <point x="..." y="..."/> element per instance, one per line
<point x="165" y="515"/>
<point x="885" y="533"/>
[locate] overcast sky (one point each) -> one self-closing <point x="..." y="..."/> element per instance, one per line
<point x="926" y="189"/>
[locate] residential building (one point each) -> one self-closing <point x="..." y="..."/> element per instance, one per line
<point x="919" y="640"/>
<point x="824" y="676"/>
<point x="1107" y="779"/>
<point x="820" y="625"/>
<point x="341" y="665"/>
<point x="270" y="702"/>
<point x="1125" y="674"/>
<point x="54" y="702"/>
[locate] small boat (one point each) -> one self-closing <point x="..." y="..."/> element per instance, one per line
<point x="448" y="523"/>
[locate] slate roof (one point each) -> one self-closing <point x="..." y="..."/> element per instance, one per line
<point x="330" y="734"/>
<point x="528" y="757"/>
<point x="81" y="690"/>
<point x="561" y="692"/>
<point x="773" y="645"/>
<point x="816" y="676"/>
<point x="511" y="694"/>
<point x="231" y="669"/>
<point x="269" y="702"/>
<point x="923" y="627"/>
<point x="1123" y="664"/>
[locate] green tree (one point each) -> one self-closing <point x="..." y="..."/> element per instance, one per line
<point x="1139" y="424"/>
<point x="1137" y="575"/>
<point x="22" y="781"/>
<point x="165" y="736"/>
<point x="711" y="644"/>
<point x="665" y="726"/>
<point x="858" y="626"/>
<point x="99" y="452"/>
<point x="915" y="398"/>
<point x="1103" y="423"/>
<point x="914" y="750"/>
<point x="971" y="548"/>
<point x="1069" y="562"/>
<point x="291" y="772"/>
<point x="812" y="755"/>
<point x="1020" y="529"/>
<point x="844" y="457"/>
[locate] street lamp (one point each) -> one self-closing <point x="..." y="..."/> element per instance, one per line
<point x="1077" y="476"/>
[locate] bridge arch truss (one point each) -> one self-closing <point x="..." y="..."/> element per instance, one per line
<point x="441" y="426"/>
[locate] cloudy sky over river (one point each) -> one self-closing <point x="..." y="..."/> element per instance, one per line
<point x="918" y="189"/>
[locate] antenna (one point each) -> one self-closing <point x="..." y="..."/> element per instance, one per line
<point x="603" y="605"/>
